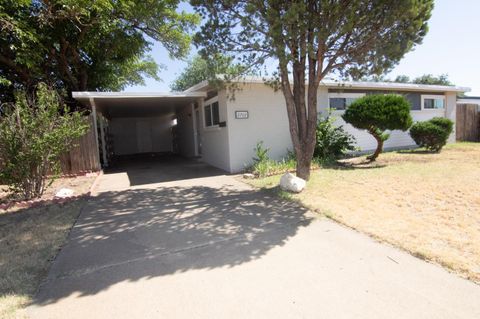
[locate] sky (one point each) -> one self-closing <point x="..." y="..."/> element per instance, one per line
<point x="451" y="46"/>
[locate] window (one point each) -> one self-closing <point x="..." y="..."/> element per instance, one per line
<point x="212" y="115"/>
<point x="340" y="101"/>
<point x="433" y="102"/>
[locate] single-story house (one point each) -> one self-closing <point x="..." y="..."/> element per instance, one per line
<point x="222" y="127"/>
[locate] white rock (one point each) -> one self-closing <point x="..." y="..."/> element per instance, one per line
<point x="292" y="183"/>
<point x="64" y="192"/>
<point x="248" y="176"/>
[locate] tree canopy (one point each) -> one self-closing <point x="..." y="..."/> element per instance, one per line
<point x="87" y="45"/>
<point x="309" y="40"/>
<point x="430" y="79"/>
<point x="200" y="69"/>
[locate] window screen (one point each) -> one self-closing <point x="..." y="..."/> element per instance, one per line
<point x="215" y="114"/>
<point x="208" y="115"/>
<point x="337" y="103"/>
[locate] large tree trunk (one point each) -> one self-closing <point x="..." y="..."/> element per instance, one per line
<point x="302" y="117"/>
<point x="379" y="149"/>
<point x="303" y="166"/>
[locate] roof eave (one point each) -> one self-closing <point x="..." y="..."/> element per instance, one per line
<point x="126" y="95"/>
<point x="360" y="85"/>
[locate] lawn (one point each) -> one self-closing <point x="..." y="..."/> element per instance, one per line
<point x="427" y="204"/>
<point x="30" y="239"/>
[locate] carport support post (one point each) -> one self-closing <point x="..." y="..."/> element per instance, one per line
<point x="104" y="147"/>
<point x="195" y="128"/>
<point x="95" y="129"/>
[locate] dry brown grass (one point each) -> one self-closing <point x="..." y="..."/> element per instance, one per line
<point x="427" y="204"/>
<point x="29" y="240"/>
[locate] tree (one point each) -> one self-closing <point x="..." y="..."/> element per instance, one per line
<point x="378" y="113"/>
<point x="200" y="69"/>
<point x="309" y="40"/>
<point x="33" y="135"/>
<point x="402" y="79"/>
<point x="442" y="79"/>
<point x="87" y="45"/>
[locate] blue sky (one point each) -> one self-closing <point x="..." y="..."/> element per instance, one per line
<point x="451" y="46"/>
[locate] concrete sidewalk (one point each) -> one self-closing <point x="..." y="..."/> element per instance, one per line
<point x="212" y="247"/>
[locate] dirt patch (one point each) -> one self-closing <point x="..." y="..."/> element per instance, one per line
<point x="79" y="184"/>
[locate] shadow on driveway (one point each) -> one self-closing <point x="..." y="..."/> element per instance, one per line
<point x="144" y="169"/>
<point x="144" y="233"/>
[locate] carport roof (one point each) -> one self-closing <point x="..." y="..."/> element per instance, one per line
<point x="126" y="104"/>
<point x="85" y="95"/>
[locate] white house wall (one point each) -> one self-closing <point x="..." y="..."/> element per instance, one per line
<point x="451" y="112"/>
<point x="214" y="140"/>
<point x="267" y="121"/>
<point x="365" y="141"/>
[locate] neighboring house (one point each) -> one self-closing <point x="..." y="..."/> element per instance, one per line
<point x="469" y="100"/>
<point x="223" y="127"/>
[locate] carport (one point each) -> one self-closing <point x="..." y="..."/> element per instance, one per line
<point x="145" y="123"/>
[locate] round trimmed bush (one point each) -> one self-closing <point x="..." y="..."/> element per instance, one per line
<point x="432" y="134"/>
<point x="378" y="113"/>
<point x="444" y="123"/>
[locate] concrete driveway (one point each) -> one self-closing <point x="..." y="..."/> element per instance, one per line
<point x="211" y="247"/>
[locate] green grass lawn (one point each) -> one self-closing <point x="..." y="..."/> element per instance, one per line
<point x="427" y="204"/>
<point x="29" y="240"/>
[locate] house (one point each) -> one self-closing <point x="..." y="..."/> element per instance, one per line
<point x="469" y="100"/>
<point x="222" y="127"/>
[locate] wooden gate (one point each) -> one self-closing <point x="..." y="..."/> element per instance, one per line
<point x="84" y="157"/>
<point x="468" y="122"/>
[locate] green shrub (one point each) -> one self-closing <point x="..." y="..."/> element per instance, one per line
<point x="332" y="141"/>
<point x="432" y="134"/>
<point x="33" y="135"/>
<point x="261" y="153"/>
<point x="444" y="123"/>
<point x="378" y="113"/>
<point x="261" y="161"/>
<point x="264" y="166"/>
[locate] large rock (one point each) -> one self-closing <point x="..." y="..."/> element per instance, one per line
<point x="64" y="193"/>
<point x="292" y="183"/>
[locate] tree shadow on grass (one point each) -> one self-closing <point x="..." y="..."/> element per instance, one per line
<point x="419" y="151"/>
<point x="357" y="164"/>
<point x="145" y="233"/>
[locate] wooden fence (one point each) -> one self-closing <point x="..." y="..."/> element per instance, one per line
<point x="468" y="122"/>
<point x="84" y="157"/>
